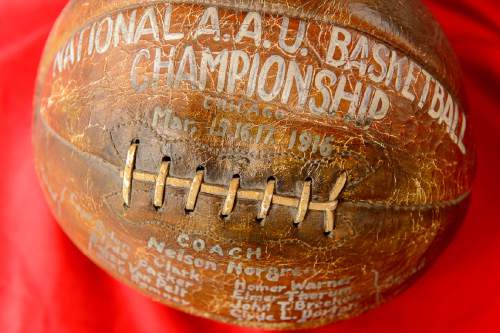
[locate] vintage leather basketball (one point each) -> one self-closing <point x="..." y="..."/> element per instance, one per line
<point x="275" y="164"/>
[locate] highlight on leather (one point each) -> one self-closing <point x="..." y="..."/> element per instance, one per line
<point x="128" y="172"/>
<point x="267" y="199"/>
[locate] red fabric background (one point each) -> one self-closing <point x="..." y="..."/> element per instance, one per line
<point x="47" y="285"/>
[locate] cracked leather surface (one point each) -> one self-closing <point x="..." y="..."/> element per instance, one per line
<point x="406" y="193"/>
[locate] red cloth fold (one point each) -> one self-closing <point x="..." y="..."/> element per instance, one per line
<point x="47" y="285"/>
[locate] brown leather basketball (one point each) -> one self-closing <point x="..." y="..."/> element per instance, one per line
<point x="276" y="164"/>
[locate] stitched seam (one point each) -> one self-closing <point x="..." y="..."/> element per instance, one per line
<point x="366" y="169"/>
<point x="363" y="203"/>
<point x="196" y="185"/>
